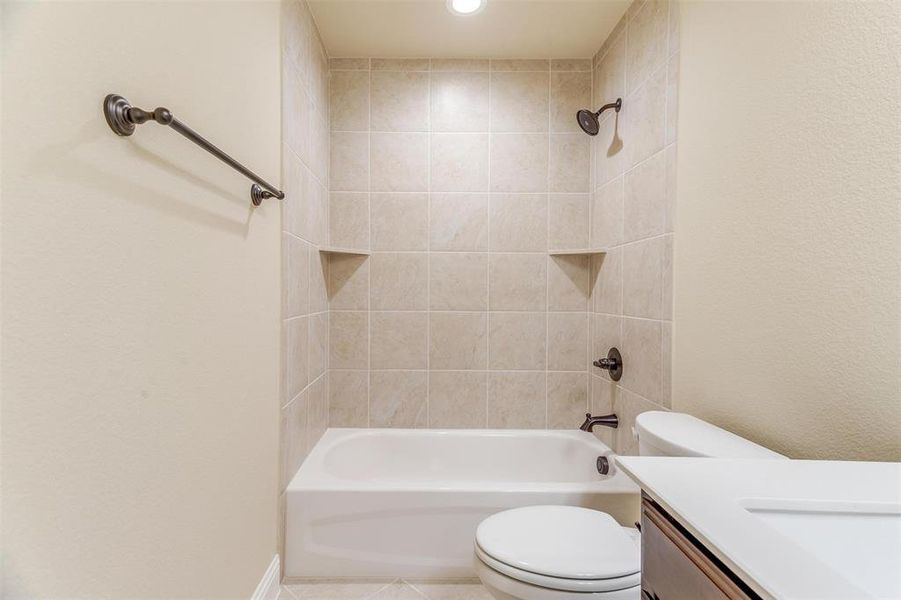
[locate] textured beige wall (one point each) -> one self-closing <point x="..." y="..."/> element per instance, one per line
<point x="305" y="155"/>
<point x="787" y="264"/>
<point x="633" y="162"/>
<point x="459" y="175"/>
<point x="140" y="302"/>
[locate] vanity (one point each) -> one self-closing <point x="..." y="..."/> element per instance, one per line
<point x="747" y="529"/>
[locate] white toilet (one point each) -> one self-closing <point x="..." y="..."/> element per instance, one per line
<point x="573" y="553"/>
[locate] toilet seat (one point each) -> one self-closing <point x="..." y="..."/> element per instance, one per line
<point x="559" y="583"/>
<point x="565" y="548"/>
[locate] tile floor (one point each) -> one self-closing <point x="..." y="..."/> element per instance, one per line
<point x="397" y="590"/>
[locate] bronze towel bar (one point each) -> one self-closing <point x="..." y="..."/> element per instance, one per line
<point x="122" y="118"/>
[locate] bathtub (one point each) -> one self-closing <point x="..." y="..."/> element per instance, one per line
<point x="372" y="503"/>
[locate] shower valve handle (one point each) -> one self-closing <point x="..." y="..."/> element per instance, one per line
<point x="613" y="363"/>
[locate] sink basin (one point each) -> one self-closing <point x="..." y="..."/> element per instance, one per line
<point x="859" y="540"/>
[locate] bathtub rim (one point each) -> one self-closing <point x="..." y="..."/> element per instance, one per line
<point x="312" y="476"/>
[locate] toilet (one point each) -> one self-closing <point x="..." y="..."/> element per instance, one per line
<point x="574" y="553"/>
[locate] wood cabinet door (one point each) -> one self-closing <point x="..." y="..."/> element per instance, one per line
<point x="674" y="568"/>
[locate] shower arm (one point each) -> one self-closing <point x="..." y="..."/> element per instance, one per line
<point x="616" y="105"/>
<point x="122" y="117"/>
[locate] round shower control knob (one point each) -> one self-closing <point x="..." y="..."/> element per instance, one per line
<point x="612" y="363"/>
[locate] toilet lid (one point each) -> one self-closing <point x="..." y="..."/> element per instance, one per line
<point x="560" y="541"/>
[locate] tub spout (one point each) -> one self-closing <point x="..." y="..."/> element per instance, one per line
<point x="606" y="420"/>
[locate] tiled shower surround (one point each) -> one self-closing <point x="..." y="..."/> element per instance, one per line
<point x="633" y="190"/>
<point x="458" y="175"/>
<point x="461" y="177"/>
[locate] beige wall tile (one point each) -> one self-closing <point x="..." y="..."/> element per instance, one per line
<point x="643" y="279"/>
<point x="602" y="394"/>
<point x="567" y="341"/>
<point x="399" y="162"/>
<point x="458" y="222"/>
<point x="519" y="101"/>
<point x="317" y="225"/>
<point x="673" y="28"/>
<point x="348" y="282"/>
<point x="348" y="398"/>
<point x="294" y="206"/>
<point x="570" y="64"/>
<point x="398" y="281"/>
<point x="517" y="340"/>
<point x="349" y="167"/>
<point x="459" y="64"/>
<point x="293" y="436"/>
<point x="457" y="399"/>
<point x="672" y="98"/>
<point x="458" y="281"/>
<point x="297" y="108"/>
<point x="348" y="64"/>
<point x="570" y="93"/>
<point x="607" y="274"/>
<point x="399" y="64"/>
<point x="399" y="340"/>
<point x="349" y="101"/>
<point x="459" y="102"/>
<point x="517" y="400"/>
<point x="296" y="356"/>
<point x="318" y="344"/>
<point x="628" y="406"/>
<point x="666" y="364"/>
<point x="607" y="215"/>
<point x="517" y="282"/>
<point x="641" y="352"/>
<point x="398" y="398"/>
<point x="519" y="162"/>
<point x="644" y="204"/>
<point x="400" y="101"/>
<point x="295" y="276"/>
<point x="669" y="206"/>
<point x="520" y="64"/>
<point x="667" y="274"/>
<point x="568" y="222"/>
<point x="610" y="147"/>
<point x="458" y="340"/>
<point x="400" y="221"/>
<point x="610" y="75"/>
<point x="606" y="333"/>
<point x="518" y="222"/>
<point x="318" y="281"/>
<point x="568" y="162"/>
<point x="568" y="283"/>
<point x="459" y="162"/>
<point x="644" y="114"/>
<point x="349" y="220"/>
<point x="317" y="411"/>
<point x="647" y="41"/>
<point x="567" y="399"/>
<point x="348" y="340"/>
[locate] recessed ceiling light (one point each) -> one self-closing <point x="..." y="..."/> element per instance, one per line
<point x="465" y="7"/>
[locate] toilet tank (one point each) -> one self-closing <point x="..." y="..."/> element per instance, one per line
<point x="678" y="434"/>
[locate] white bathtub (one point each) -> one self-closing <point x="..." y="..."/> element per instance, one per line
<point x="406" y="503"/>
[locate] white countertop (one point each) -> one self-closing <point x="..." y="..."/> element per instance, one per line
<point x="787" y="528"/>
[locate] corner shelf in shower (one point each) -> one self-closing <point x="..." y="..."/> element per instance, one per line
<point x="346" y="251"/>
<point x="578" y="252"/>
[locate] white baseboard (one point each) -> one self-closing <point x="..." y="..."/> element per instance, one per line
<point x="268" y="587"/>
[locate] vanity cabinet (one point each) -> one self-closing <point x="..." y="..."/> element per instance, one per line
<point x="674" y="566"/>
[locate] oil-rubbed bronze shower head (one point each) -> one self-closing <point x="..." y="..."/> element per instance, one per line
<point x="588" y="120"/>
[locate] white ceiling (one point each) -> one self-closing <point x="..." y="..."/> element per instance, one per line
<point x="504" y="29"/>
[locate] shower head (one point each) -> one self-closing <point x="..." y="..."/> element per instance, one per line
<point x="588" y="120"/>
